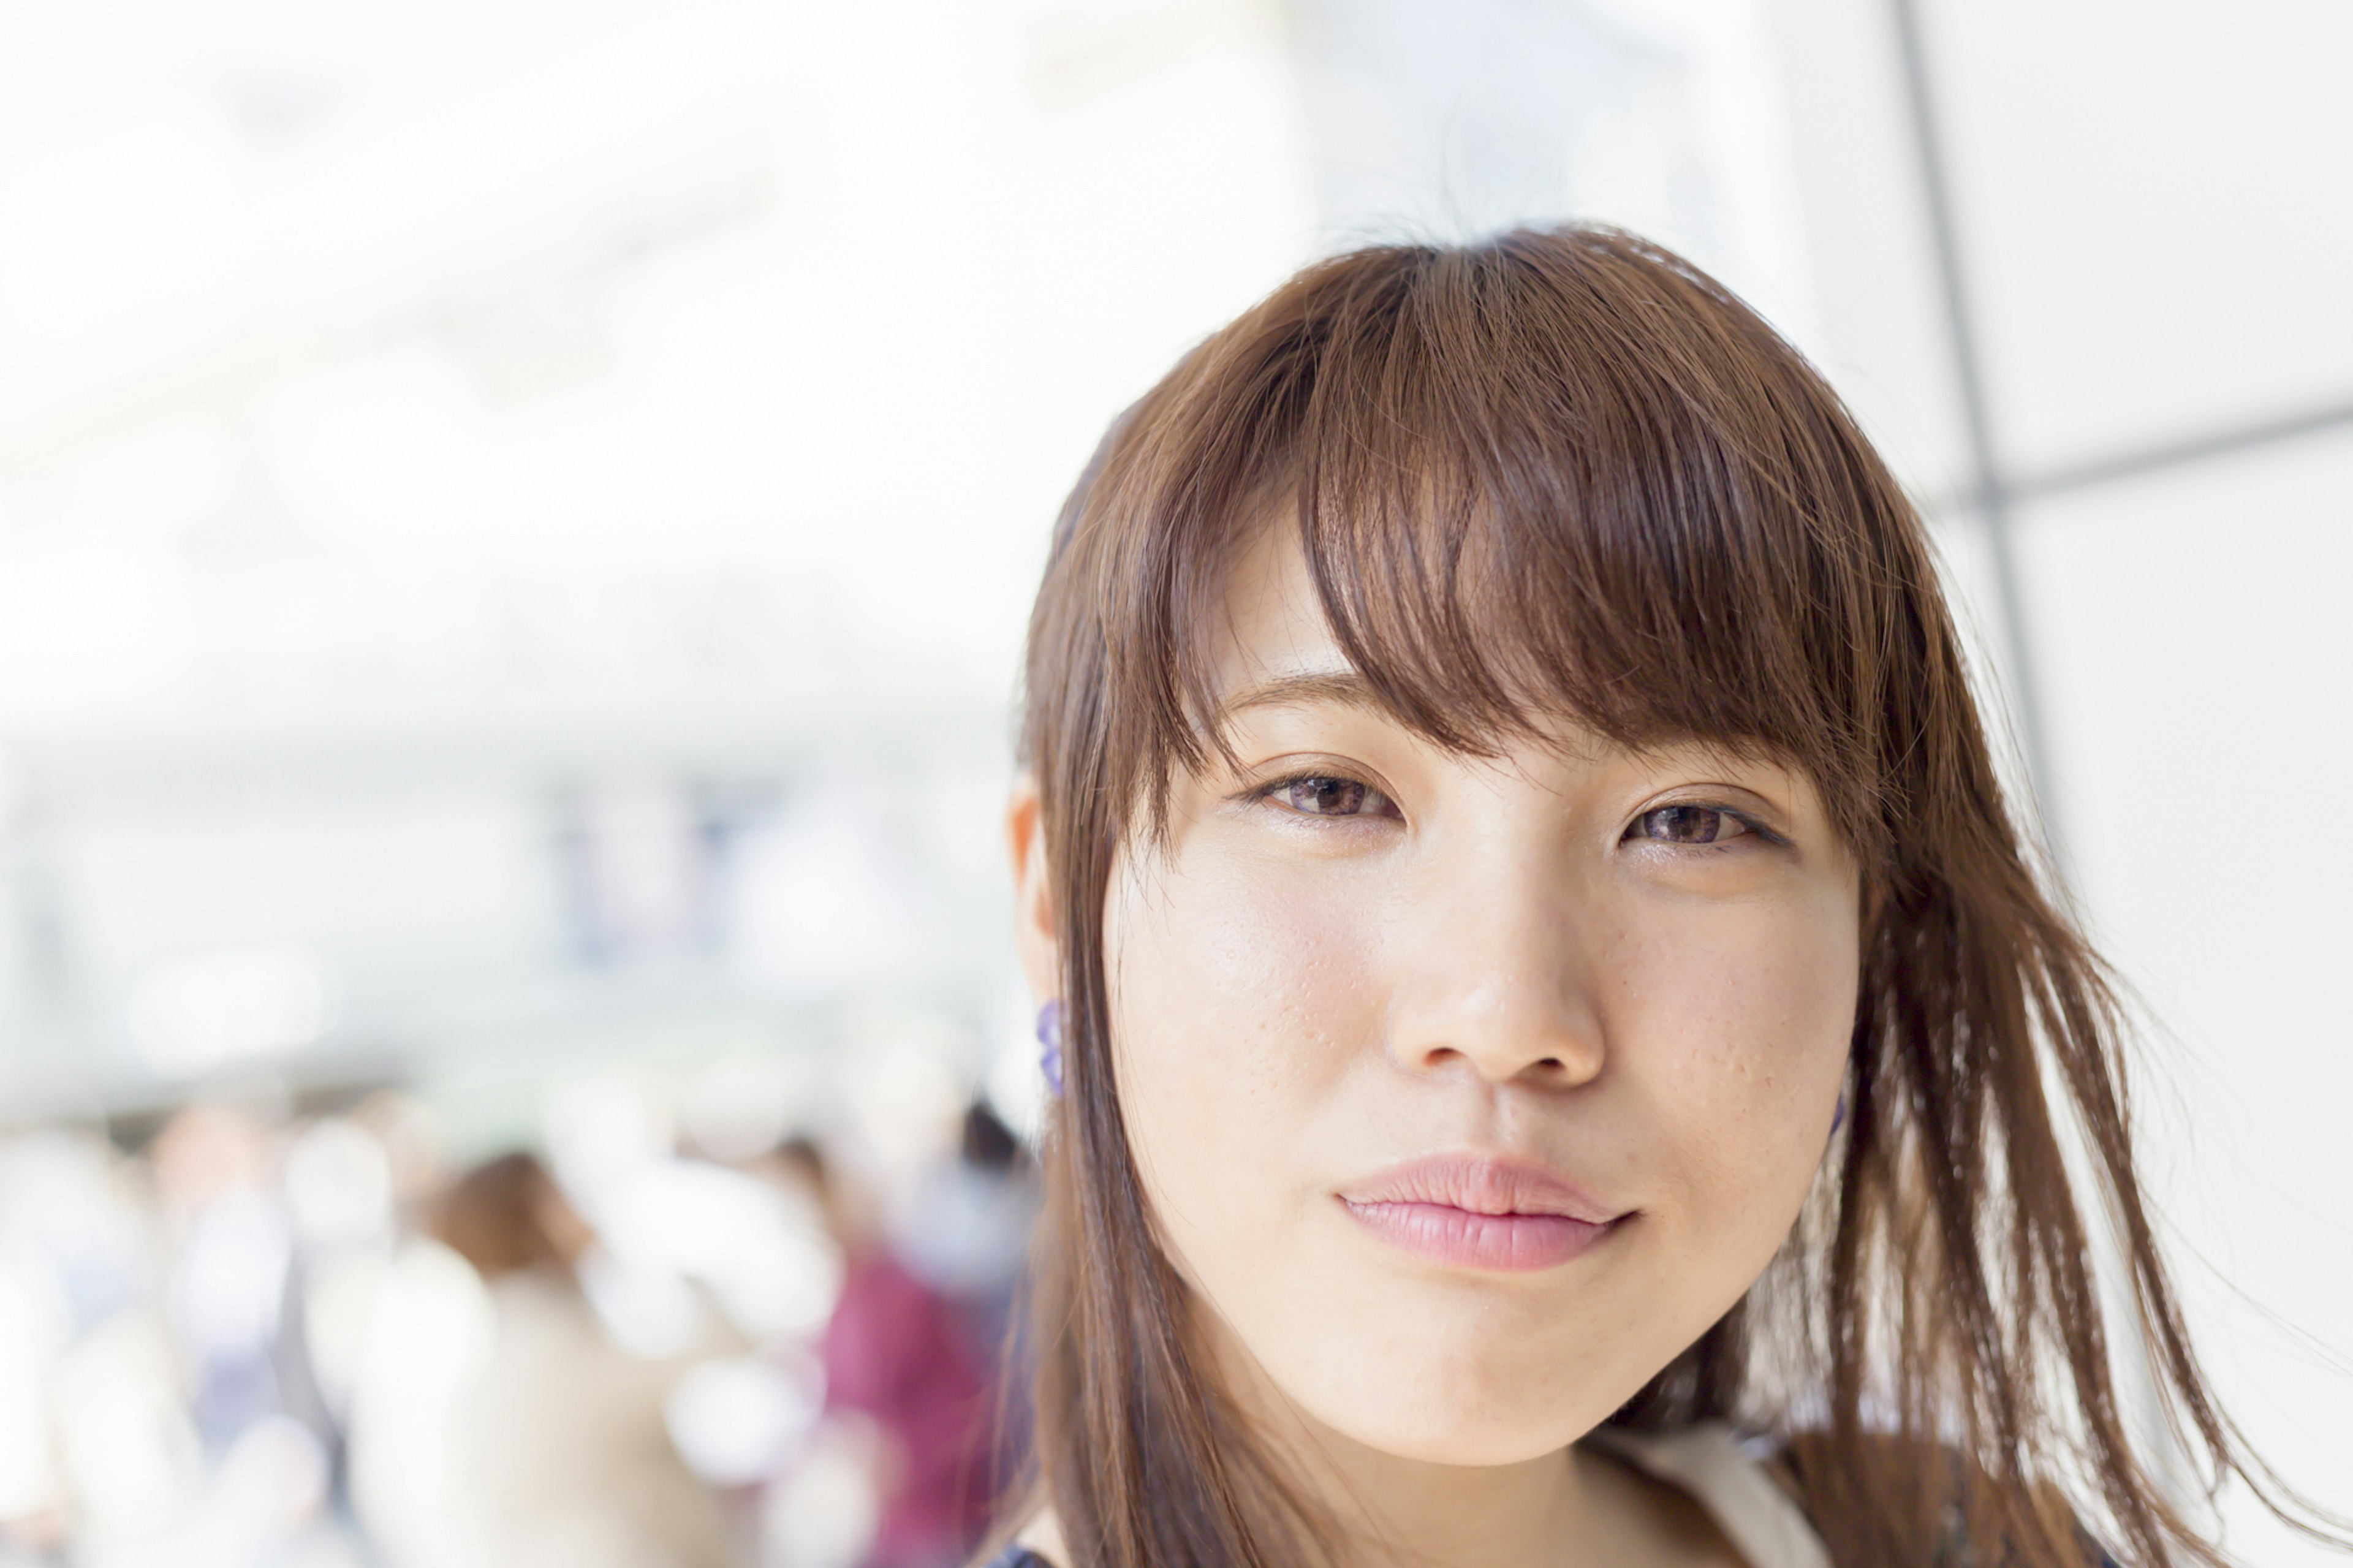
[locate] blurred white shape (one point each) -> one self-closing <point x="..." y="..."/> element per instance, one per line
<point x="338" y="1311"/>
<point x="390" y="441"/>
<point x="735" y="1420"/>
<point x="1661" y="115"/>
<point x="829" y="902"/>
<point x="743" y="1106"/>
<point x="823" y="1515"/>
<point x="339" y="1184"/>
<point x="432" y="1328"/>
<point x="467" y="325"/>
<point x="273" y="1479"/>
<point x="652" y="1312"/>
<point x="1702" y="119"/>
<point x="58" y="1196"/>
<point x="1015" y="1083"/>
<point x="162" y="486"/>
<point x="601" y="1129"/>
<point x="130" y="1454"/>
<point x="762" y="1255"/>
<point x="683" y="1215"/>
<point x="34" y="1326"/>
<point x="231" y="1281"/>
<point x="205" y="1013"/>
<point x="641" y="867"/>
<point x="965" y="1230"/>
<point x="906" y="1083"/>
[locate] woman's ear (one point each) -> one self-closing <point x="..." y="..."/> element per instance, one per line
<point x="1035" y="939"/>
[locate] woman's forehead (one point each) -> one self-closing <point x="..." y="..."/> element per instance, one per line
<point x="1273" y="624"/>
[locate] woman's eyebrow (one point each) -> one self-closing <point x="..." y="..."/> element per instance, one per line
<point x="1304" y="687"/>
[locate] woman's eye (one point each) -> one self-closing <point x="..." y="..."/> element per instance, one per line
<point x="1323" y="797"/>
<point x="1688" y="825"/>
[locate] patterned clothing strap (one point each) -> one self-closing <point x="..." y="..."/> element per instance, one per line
<point x="1016" y="1556"/>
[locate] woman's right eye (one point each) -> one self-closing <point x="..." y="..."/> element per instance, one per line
<point x="1322" y="794"/>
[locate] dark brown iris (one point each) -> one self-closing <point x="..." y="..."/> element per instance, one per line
<point x="1688" y="825"/>
<point x="1328" y="797"/>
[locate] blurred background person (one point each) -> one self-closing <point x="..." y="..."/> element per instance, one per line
<point x="558" y="1451"/>
<point x="234" y="1292"/>
<point x="967" y="1234"/>
<point x="901" y="1363"/>
<point x="970" y="1222"/>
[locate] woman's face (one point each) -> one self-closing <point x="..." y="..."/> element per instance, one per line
<point x="1467" y="1092"/>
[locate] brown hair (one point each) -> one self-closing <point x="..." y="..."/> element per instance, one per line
<point x="1566" y="472"/>
<point x="495" y="1216"/>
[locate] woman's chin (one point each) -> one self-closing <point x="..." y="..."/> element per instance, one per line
<point x="1461" y="1433"/>
<point x="1493" y="1413"/>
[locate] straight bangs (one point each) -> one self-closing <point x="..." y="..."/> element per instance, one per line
<point x="1532" y="482"/>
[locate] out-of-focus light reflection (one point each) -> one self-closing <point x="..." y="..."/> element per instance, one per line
<point x="203" y="1014"/>
<point x="735" y="1421"/>
<point x="743" y="1106"/>
<point x="339" y="1184"/>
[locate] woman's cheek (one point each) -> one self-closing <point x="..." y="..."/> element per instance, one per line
<point x="1730" y="1020"/>
<point x="1233" y="1006"/>
<point x="1737" y="1019"/>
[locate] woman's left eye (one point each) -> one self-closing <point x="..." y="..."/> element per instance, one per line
<point x="1688" y="825"/>
<point x="1321" y="795"/>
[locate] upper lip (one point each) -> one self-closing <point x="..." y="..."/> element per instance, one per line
<point x="1481" y="1183"/>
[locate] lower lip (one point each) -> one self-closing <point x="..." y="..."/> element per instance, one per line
<point x="1504" y="1243"/>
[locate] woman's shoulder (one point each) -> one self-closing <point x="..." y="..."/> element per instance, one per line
<point x="1756" y="1490"/>
<point x="1731" y="1477"/>
<point x="1752" y="1487"/>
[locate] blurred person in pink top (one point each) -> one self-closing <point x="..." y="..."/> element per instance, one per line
<point x="900" y="1355"/>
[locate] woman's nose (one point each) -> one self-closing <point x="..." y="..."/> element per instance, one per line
<point x="1503" y="985"/>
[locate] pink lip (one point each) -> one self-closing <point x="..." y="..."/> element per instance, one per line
<point x="1472" y="1211"/>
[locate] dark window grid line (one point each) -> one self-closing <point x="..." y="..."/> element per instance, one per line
<point x="1988" y="487"/>
<point x="2183" y="452"/>
<point x="1995" y="498"/>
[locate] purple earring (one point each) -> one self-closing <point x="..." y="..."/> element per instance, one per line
<point x="1050" y="1036"/>
<point x="1838" y="1118"/>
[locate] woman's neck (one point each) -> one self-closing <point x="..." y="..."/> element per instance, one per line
<point x="1573" y="1509"/>
<point x="1403" y="1512"/>
<point x="1568" y="1508"/>
<point x="1429" y="1516"/>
